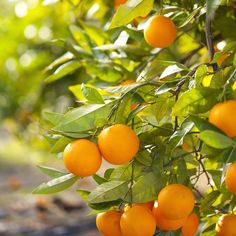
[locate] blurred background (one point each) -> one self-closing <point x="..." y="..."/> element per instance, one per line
<point x="27" y="30"/>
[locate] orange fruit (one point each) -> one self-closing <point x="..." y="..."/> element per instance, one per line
<point x="118" y="144"/>
<point x="160" y="32"/>
<point x="108" y="223"/>
<point x="175" y="201"/>
<point x="190" y="226"/>
<point x="165" y="223"/>
<point x="82" y="157"/>
<point x="230" y="178"/>
<point x="223" y="116"/>
<point x="149" y="205"/>
<point x="117" y="3"/>
<point x="138" y="221"/>
<point x="226" y="225"/>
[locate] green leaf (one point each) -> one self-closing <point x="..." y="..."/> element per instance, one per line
<point x="146" y="188"/>
<point x="110" y="191"/>
<point x="52" y="117"/>
<point x="177" y="137"/>
<point x="190" y="17"/>
<point x="130" y="10"/>
<point x="166" y="87"/>
<point x="99" y="180"/>
<point x="207" y="201"/>
<point x="91" y="94"/>
<point x="203" y="124"/>
<point x="104" y="205"/>
<point x="215" y="139"/>
<point x="83" y="119"/>
<point x="108" y="173"/>
<point x="83" y="193"/>
<point x="182" y="172"/>
<point x="172" y="69"/>
<point x="195" y="101"/>
<point x="63" y="70"/>
<point x="56" y="185"/>
<point x="51" y="171"/>
<point x="60" y="144"/>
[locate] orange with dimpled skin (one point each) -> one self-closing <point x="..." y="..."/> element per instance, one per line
<point x="82" y="158"/>
<point x="160" y="32"/>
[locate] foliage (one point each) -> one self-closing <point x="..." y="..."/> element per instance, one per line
<point x="174" y="90"/>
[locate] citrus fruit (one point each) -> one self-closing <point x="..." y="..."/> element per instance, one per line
<point x="108" y="223"/>
<point x="230" y="178"/>
<point x="165" y="223"/>
<point x="190" y="226"/>
<point x="160" y="31"/>
<point x="138" y="221"/>
<point x="223" y="116"/>
<point x="175" y="201"/>
<point x="82" y="157"/>
<point x="226" y="225"/>
<point x="118" y="144"/>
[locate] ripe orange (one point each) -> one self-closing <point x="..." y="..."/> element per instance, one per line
<point x="117" y="3"/>
<point x="230" y="178"/>
<point x="108" y="223"/>
<point x="149" y="205"/>
<point x="175" y="201"/>
<point x="226" y="225"/>
<point x="160" y="32"/>
<point x="190" y="226"/>
<point x="82" y="157"/>
<point x="138" y="221"/>
<point x="223" y="116"/>
<point x="164" y="223"/>
<point x="118" y="144"/>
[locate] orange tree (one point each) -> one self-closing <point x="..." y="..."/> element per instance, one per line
<point x="170" y="129"/>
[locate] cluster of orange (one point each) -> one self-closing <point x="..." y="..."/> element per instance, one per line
<point x="171" y="211"/>
<point x="223" y="116"/>
<point x="160" y="31"/>
<point x="117" y="144"/>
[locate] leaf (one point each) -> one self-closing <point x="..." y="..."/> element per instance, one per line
<point x="51" y="171"/>
<point x="203" y="124"/>
<point x="207" y="201"/>
<point x="91" y="94"/>
<point x="108" y="173"/>
<point x="83" y="193"/>
<point x="212" y="6"/>
<point x="52" y="117"/>
<point x="215" y="139"/>
<point x="146" y="188"/>
<point x="83" y="119"/>
<point x="177" y="137"/>
<point x="60" y="60"/>
<point x="166" y="87"/>
<point x="195" y="101"/>
<point x="110" y="191"/>
<point x="56" y="185"/>
<point x="172" y="69"/>
<point x="130" y="10"/>
<point x="190" y="17"/>
<point x="104" y="205"/>
<point x="60" y="144"/>
<point x="63" y="70"/>
<point x="99" y="180"/>
<point x="182" y="172"/>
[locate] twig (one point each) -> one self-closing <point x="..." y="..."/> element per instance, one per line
<point x="210" y="45"/>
